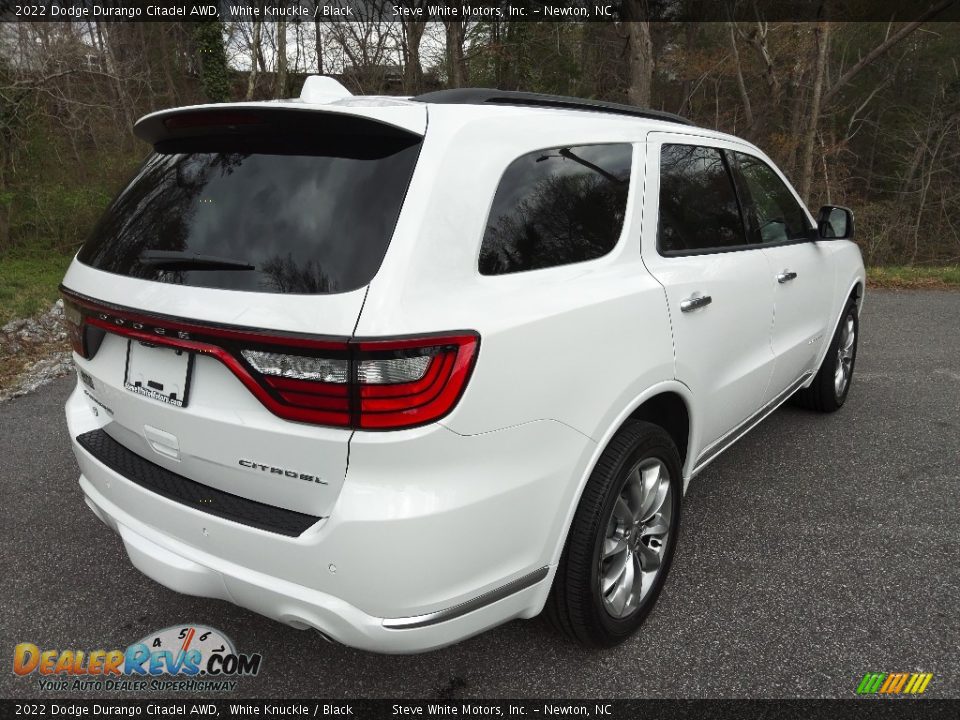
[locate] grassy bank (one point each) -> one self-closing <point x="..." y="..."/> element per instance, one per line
<point x="28" y="282"/>
<point x="904" y="277"/>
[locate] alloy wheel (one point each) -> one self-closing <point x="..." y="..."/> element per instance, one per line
<point x="844" y="367"/>
<point x="636" y="538"/>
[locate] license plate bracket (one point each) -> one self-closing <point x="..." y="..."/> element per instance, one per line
<point x="159" y="373"/>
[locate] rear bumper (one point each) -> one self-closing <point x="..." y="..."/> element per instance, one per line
<point x="184" y="569"/>
<point x="435" y="536"/>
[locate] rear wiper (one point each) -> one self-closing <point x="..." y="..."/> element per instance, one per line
<point x="184" y="260"/>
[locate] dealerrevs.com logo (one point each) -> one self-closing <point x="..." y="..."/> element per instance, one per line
<point x="182" y="657"/>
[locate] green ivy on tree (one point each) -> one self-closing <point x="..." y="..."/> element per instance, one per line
<point x="214" y="73"/>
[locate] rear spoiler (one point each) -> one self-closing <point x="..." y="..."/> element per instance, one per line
<point x="401" y="119"/>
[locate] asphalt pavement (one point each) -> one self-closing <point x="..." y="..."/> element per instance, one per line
<point x="815" y="550"/>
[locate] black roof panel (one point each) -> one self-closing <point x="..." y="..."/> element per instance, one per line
<point x="485" y="96"/>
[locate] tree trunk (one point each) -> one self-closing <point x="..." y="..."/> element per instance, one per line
<point x="297" y="44"/>
<point x="821" y="34"/>
<point x="687" y="87"/>
<point x="639" y="52"/>
<point x="254" y="54"/>
<point x="741" y="86"/>
<point x="117" y="73"/>
<point x="412" y="69"/>
<point x="280" y="86"/>
<point x="641" y="64"/>
<point x="4" y="205"/>
<point x="456" y="63"/>
<point x="318" y="37"/>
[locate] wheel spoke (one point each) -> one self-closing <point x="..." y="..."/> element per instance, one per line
<point x="654" y="482"/>
<point x="649" y="558"/>
<point x="639" y="586"/>
<point x="624" y="586"/>
<point x="613" y="546"/>
<point x="614" y="572"/>
<point x="651" y="481"/>
<point x="633" y="492"/>
<point x="658" y="525"/>
<point x="621" y="511"/>
<point x="656" y="505"/>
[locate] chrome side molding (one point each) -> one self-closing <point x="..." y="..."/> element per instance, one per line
<point x="710" y="453"/>
<point x="418" y="621"/>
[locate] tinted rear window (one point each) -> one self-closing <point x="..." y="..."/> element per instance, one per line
<point x="557" y="206"/>
<point x="698" y="204"/>
<point x="291" y="214"/>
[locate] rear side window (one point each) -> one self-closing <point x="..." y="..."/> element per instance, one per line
<point x="698" y="204"/>
<point x="775" y="215"/>
<point x="283" y="210"/>
<point x="557" y="206"/>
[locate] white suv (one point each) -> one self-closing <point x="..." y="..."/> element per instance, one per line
<point x="400" y="370"/>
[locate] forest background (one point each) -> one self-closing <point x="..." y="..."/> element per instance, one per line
<point x="863" y="114"/>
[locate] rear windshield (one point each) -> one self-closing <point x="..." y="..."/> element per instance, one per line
<point x="279" y="215"/>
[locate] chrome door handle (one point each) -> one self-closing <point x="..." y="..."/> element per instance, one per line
<point x="694" y="303"/>
<point x="786" y="276"/>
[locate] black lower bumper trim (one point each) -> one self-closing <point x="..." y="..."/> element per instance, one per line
<point x="193" y="494"/>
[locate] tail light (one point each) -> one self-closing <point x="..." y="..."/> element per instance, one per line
<point x="74" y="323"/>
<point x="369" y="384"/>
<point x="411" y="382"/>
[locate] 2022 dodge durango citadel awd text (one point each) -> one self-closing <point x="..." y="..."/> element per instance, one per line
<point x="400" y="370"/>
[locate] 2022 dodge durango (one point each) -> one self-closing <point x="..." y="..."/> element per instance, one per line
<point x="400" y="370"/>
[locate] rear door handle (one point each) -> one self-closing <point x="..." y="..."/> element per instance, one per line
<point x="694" y="303"/>
<point x="786" y="276"/>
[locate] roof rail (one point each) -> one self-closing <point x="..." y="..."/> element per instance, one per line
<point x="485" y="96"/>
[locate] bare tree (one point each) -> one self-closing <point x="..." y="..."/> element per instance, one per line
<point x="640" y="61"/>
<point x="821" y="36"/>
<point x="318" y="41"/>
<point x="741" y="85"/>
<point x="280" y="81"/>
<point x="256" y="51"/>
<point x="367" y="46"/>
<point x="412" y="35"/>
<point x="883" y="47"/>
<point x="457" y="75"/>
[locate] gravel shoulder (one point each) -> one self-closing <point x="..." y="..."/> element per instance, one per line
<point x="33" y="351"/>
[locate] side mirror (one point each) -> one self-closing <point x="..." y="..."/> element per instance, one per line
<point x="835" y="223"/>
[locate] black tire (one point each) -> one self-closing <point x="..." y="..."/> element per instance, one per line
<point x="575" y="606"/>
<point x="822" y="394"/>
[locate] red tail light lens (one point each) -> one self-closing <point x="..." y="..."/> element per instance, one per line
<point x="74" y="323"/>
<point x="411" y="382"/>
<point x="370" y="384"/>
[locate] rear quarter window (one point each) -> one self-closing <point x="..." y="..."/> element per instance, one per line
<point x="308" y="209"/>
<point x="557" y="206"/>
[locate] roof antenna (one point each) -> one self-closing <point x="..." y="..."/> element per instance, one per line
<point x="322" y="89"/>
